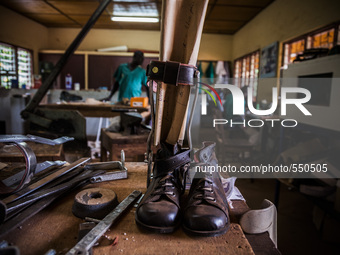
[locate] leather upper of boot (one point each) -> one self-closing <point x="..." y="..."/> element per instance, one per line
<point x="160" y="206"/>
<point x="207" y="207"/>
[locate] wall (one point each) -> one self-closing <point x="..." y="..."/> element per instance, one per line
<point x="23" y="32"/>
<point x="61" y="38"/>
<point x="213" y="46"/>
<point x="216" y="47"/>
<point x="30" y="34"/>
<point x="280" y="21"/>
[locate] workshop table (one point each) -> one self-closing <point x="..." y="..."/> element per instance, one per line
<point x="57" y="228"/>
<point x="94" y="110"/>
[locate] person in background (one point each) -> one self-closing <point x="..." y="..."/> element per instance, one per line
<point x="129" y="79"/>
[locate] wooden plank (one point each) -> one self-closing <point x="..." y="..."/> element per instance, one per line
<point x="180" y="39"/>
<point x="56" y="228"/>
<point x="75" y="8"/>
<point x="222" y="25"/>
<point x="31" y="7"/>
<point x="100" y="110"/>
<point x="231" y="13"/>
<point x="119" y="138"/>
<point x="245" y="3"/>
<point x="52" y="19"/>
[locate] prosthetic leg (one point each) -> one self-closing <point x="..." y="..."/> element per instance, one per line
<point x="160" y="210"/>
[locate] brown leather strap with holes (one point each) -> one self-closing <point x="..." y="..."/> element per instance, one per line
<point x="170" y="72"/>
<point x="163" y="166"/>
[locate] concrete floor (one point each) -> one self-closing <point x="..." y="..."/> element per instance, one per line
<point x="296" y="231"/>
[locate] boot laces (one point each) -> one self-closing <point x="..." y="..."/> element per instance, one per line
<point x="203" y="189"/>
<point x="166" y="186"/>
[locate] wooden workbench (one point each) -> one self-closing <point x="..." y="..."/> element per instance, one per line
<point x="57" y="228"/>
<point x="93" y="110"/>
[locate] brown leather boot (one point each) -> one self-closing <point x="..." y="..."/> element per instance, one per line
<point x="206" y="212"/>
<point x="159" y="211"/>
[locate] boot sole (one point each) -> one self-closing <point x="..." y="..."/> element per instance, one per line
<point x="206" y="233"/>
<point x="159" y="230"/>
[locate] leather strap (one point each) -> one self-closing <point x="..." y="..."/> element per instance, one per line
<point x="163" y="166"/>
<point x="170" y="72"/>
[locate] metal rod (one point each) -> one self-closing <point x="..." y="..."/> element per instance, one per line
<point x="149" y="142"/>
<point x="192" y="112"/>
<point x="44" y="181"/>
<point x="62" y="61"/>
<point x="82" y="247"/>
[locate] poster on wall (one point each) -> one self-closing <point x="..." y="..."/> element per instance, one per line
<point x="268" y="60"/>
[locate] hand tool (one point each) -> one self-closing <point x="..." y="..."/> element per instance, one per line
<point x="30" y="158"/>
<point x="31" y="162"/>
<point x="84" y="245"/>
<point x="34" y="186"/>
<point x="114" y="174"/>
<point x="7" y="249"/>
<point x="111" y="176"/>
<point x="10" y="207"/>
<point x="33" y="138"/>
<point x="15" y="179"/>
<point x="36" y="207"/>
<point x="66" y="177"/>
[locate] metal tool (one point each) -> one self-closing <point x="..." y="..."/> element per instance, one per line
<point x="94" y="203"/>
<point x="30" y="158"/>
<point x="39" y="205"/>
<point x="7" y="249"/>
<point x="33" y="138"/>
<point x="44" y="193"/>
<point x="31" y="162"/>
<point x="118" y="170"/>
<point x="16" y="178"/>
<point x="84" y="245"/>
<point x="29" y="189"/>
<point x="115" y="175"/>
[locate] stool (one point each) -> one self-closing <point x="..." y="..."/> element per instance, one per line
<point x="134" y="146"/>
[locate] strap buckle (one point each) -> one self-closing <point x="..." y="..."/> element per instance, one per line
<point x="171" y="72"/>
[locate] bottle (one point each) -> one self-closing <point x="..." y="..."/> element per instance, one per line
<point x="76" y="86"/>
<point x="68" y="81"/>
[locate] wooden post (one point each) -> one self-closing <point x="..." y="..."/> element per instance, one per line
<point x="181" y="31"/>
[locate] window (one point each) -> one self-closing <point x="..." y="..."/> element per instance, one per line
<point x="291" y="50"/>
<point x="326" y="37"/>
<point x="246" y="71"/>
<point x="15" y="67"/>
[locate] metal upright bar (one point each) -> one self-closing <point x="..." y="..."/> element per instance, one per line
<point x="62" y="61"/>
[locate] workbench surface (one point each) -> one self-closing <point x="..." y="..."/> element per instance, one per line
<point x="57" y="228"/>
<point x="94" y="110"/>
